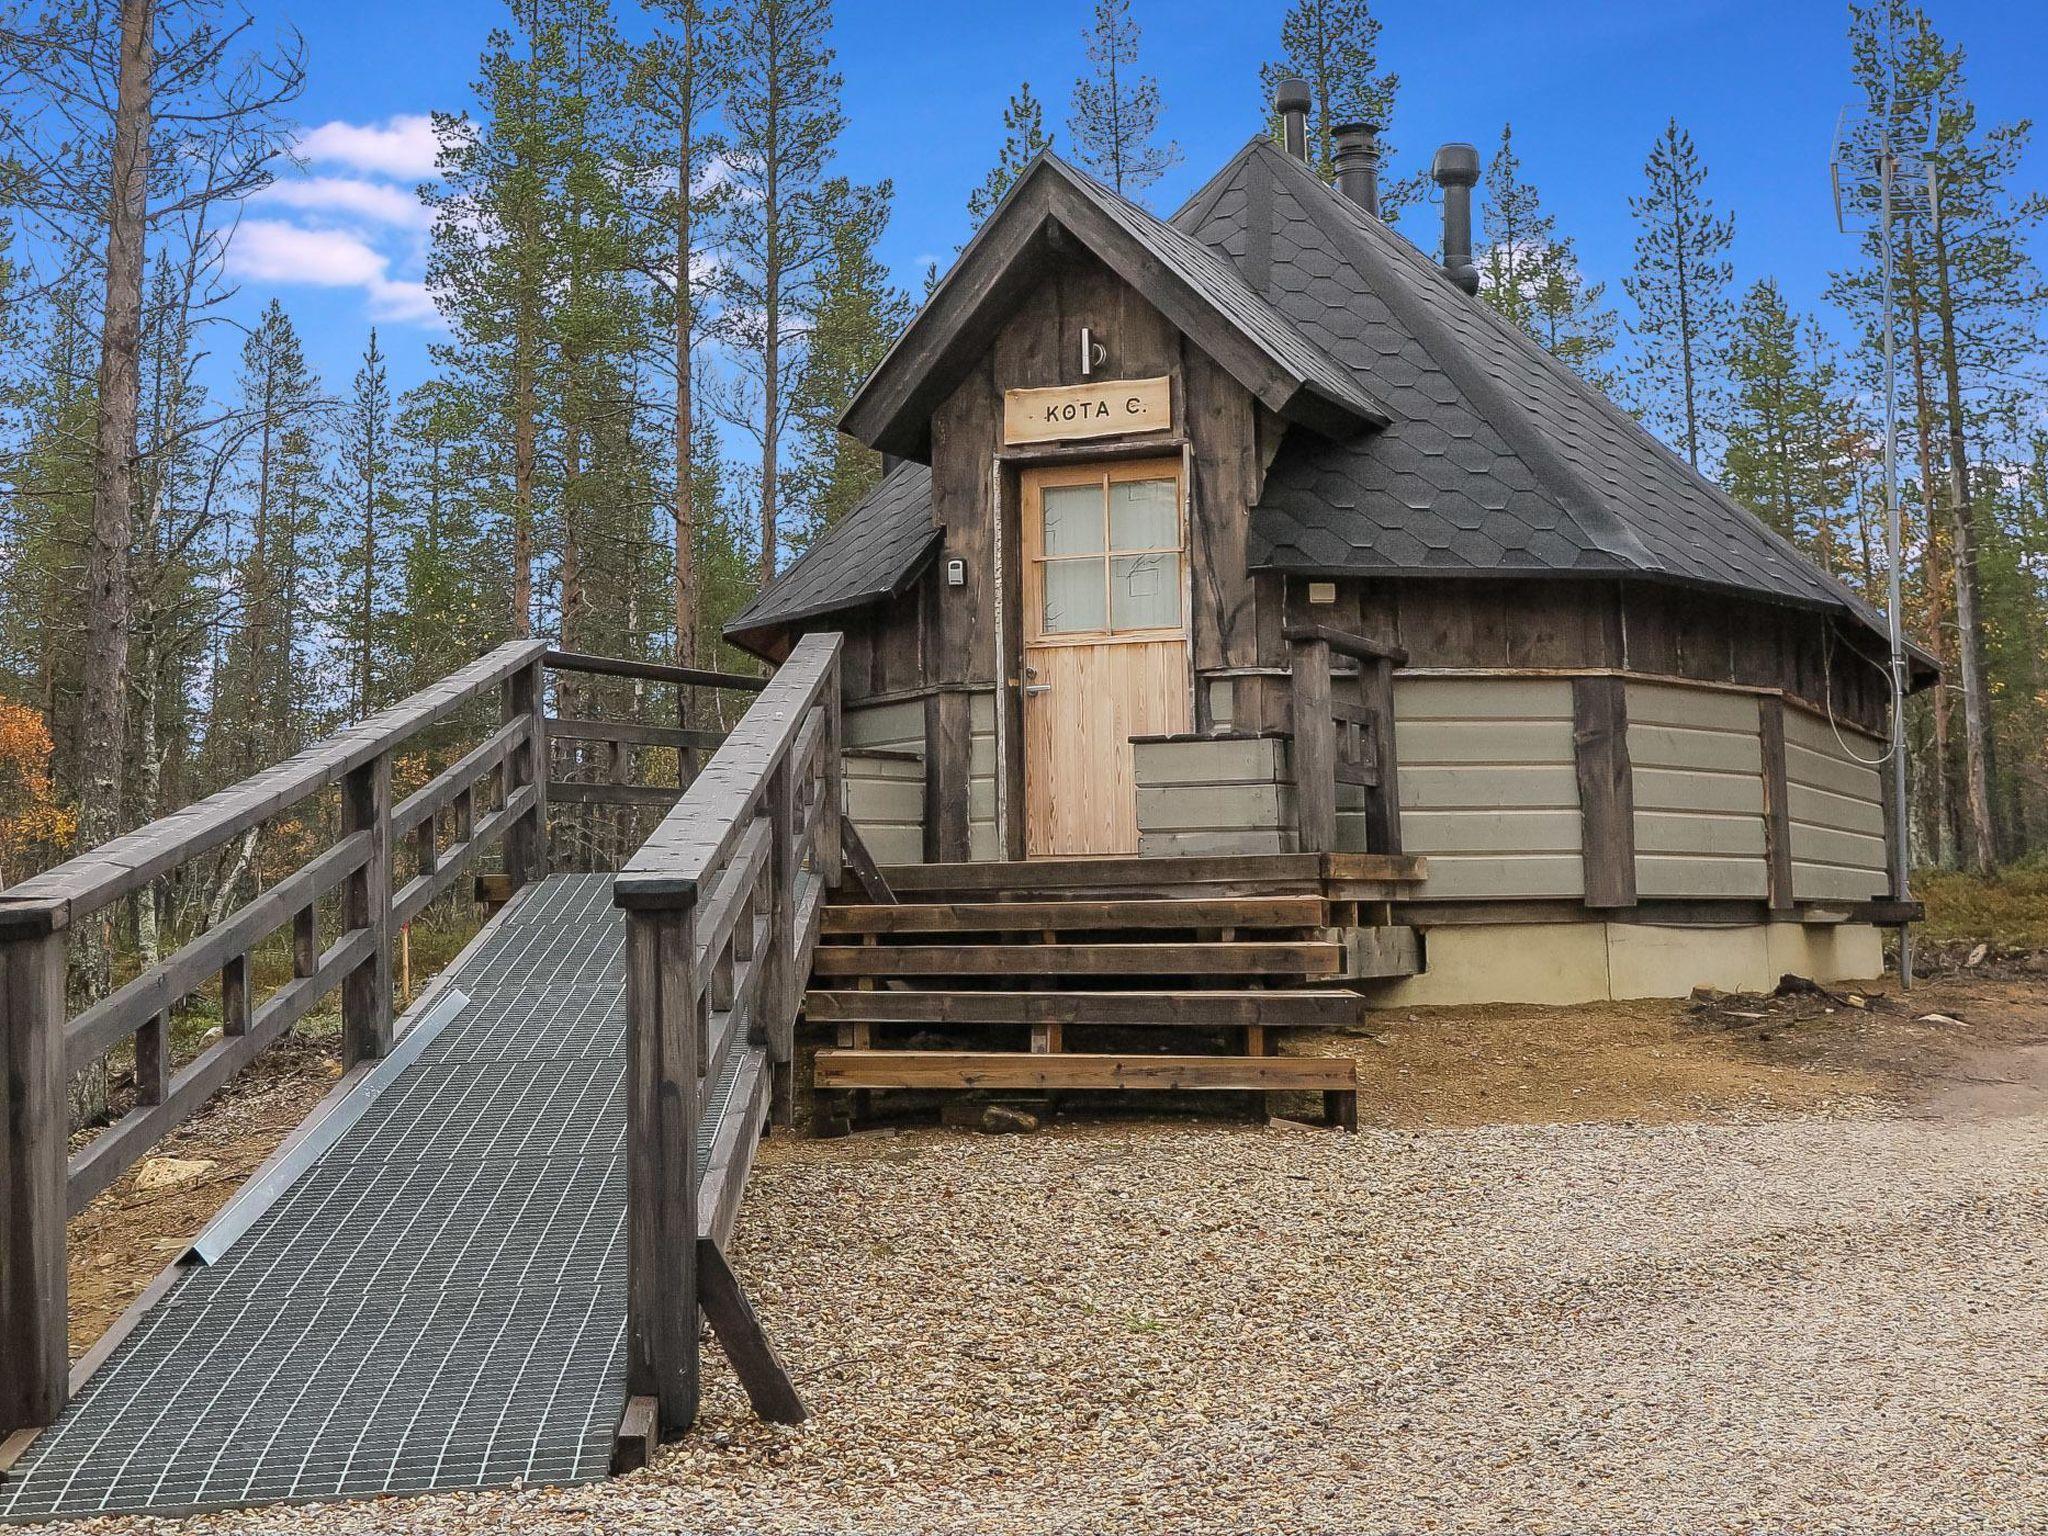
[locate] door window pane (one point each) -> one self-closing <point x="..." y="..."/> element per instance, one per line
<point x="1144" y="591"/>
<point x="1144" y="514"/>
<point x="1073" y="519"/>
<point x="1073" y="596"/>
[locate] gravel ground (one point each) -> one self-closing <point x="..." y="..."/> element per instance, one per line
<point x="1825" y="1322"/>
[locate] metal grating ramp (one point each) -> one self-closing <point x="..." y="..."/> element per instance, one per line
<point x="437" y="1302"/>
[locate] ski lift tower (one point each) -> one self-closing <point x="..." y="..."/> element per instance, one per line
<point x="1868" y="168"/>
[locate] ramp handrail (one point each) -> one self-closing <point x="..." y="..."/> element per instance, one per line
<point x="494" y="793"/>
<point x="722" y="909"/>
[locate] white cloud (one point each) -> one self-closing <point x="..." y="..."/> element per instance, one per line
<point x="374" y="200"/>
<point x="269" y="250"/>
<point x="399" y="146"/>
<point x="274" y="252"/>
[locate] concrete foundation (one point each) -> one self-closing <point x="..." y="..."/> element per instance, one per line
<point x="1601" y="961"/>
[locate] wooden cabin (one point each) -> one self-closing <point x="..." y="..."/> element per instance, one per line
<point x="1253" y="531"/>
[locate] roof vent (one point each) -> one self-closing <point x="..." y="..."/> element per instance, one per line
<point x="1291" y="100"/>
<point x="1456" y="170"/>
<point x="1358" y="163"/>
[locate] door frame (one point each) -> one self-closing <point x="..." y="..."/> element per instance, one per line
<point x="1014" y="569"/>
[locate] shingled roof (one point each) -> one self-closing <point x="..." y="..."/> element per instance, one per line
<point x="1480" y="453"/>
<point x="1501" y="460"/>
<point x="872" y="553"/>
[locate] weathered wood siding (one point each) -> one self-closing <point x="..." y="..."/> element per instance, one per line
<point x="1220" y="795"/>
<point x="1489" y="790"/>
<point x="1837" y="810"/>
<point x="1699" y="792"/>
<point x="984" y="835"/>
<point x="885" y="800"/>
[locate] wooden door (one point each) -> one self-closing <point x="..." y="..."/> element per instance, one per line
<point x="1105" y="645"/>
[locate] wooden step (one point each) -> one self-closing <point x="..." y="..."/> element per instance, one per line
<point x="1351" y="875"/>
<point x="1078" y="916"/>
<point x="1076" y="1069"/>
<point x="1175" y="1010"/>
<point x="1196" y="959"/>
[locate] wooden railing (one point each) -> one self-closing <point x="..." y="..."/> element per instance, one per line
<point x="722" y="910"/>
<point x="494" y="794"/>
<point x="593" y="784"/>
<point x="1343" y="741"/>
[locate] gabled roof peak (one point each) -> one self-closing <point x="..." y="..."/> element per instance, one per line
<point x="1201" y="294"/>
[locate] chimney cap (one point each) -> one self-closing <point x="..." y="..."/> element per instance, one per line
<point x="1455" y="165"/>
<point x="1349" y="130"/>
<point x="1291" y="95"/>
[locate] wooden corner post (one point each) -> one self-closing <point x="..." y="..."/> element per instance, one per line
<point x="34" y="1120"/>
<point x="1607" y="798"/>
<point x="664" y="1026"/>
<point x="1315" y="744"/>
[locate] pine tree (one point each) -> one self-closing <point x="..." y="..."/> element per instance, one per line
<point x="858" y="315"/>
<point x="365" y="506"/>
<point x="493" y="258"/>
<point x="1024" y="136"/>
<point x="785" y="123"/>
<point x="1530" y="276"/>
<point x="1519" y="237"/>
<point x="1566" y="315"/>
<point x="1114" y="122"/>
<point x="1787" y="453"/>
<point x="1334" y="45"/>
<point x="1680" y="290"/>
<point x="681" y="80"/>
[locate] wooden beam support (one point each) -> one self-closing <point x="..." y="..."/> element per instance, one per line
<point x="1080" y="916"/>
<point x="1220" y="1009"/>
<point x="744" y="1340"/>
<point x="639" y="1433"/>
<point x="1607" y="802"/>
<point x="858" y="862"/>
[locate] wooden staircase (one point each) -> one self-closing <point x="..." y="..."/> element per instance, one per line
<point x="1030" y="980"/>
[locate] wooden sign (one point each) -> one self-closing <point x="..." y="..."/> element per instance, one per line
<point x="1109" y="409"/>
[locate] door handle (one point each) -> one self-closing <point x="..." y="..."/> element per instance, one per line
<point x="1038" y="687"/>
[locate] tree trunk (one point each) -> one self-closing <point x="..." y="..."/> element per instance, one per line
<point x="1941" y="819"/>
<point x="685" y="424"/>
<point x="104" y="692"/>
<point x="1982" y="844"/>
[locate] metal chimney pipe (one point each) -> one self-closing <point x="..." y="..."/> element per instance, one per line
<point x="1456" y="170"/>
<point x="1358" y="163"/>
<point x="1291" y="100"/>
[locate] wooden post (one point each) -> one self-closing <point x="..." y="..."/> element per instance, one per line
<point x="663" y="1024"/>
<point x="234" y="990"/>
<point x="1777" y="802"/>
<point x="1607" y="800"/>
<point x="828" y="853"/>
<point x="153" y="1059"/>
<point x="774" y="1022"/>
<point x="305" y="941"/>
<point x="34" y="1119"/>
<point x="1314" y="747"/>
<point x="526" y="840"/>
<point x="1382" y="800"/>
<point x="366" y="904"/>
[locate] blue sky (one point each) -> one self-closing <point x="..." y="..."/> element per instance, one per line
<point x="1587" y="85"/>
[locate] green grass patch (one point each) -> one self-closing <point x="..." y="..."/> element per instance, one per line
<point x="2009" y="908"/>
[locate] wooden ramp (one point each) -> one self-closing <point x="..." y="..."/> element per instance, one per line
<point x="438" y="1299"/>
